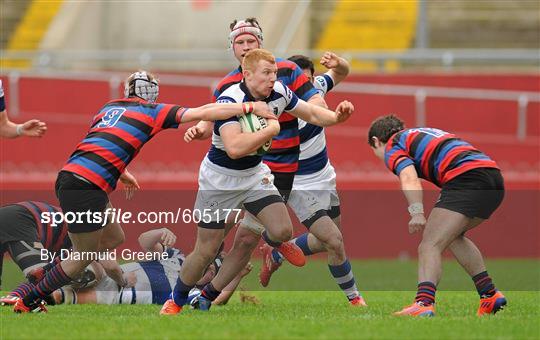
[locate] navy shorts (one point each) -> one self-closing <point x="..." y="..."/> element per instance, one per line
<point x="475" y="193"/>
<point x="77" y="195"/>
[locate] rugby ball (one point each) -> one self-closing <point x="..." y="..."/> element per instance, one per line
<point x="252" y="123"/>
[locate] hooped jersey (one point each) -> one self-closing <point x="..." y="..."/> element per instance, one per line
<point x="313" y="153"/>
<point x="280" y="99"/>
<point x="438" y="156"/>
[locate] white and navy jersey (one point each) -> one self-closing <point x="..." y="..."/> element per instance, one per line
<point x="280" y="99"/>
<point x="313" y="154"/>
<point x="158" y="276"/>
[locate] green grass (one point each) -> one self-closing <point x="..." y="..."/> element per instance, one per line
<point x="318" y="314"/>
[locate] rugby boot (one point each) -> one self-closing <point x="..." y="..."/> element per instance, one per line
<point x="418" y="309"/>
<point x="170" y="308"/>
<point x="268" y="266"/>
<point x="492" y="304"/>
<point x="292" y="253"/>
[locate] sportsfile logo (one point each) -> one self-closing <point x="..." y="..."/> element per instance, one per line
<point x="125" y="217"/>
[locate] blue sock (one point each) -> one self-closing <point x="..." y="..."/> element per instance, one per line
<point x="302" y="242"/>
<point x="180" y="292"/>
<point x="345" y="279"/>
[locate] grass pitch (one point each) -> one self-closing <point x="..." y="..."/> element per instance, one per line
<point x="317" y="314"/>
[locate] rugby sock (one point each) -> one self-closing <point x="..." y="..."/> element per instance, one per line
<point x="484" y="285"/>
<point x="210" y="292"/>
<point x="302" y="243"/>
<point x="180" y="292"/>
<point x="271" y="243"/>
<point x="69" y="296"/>
<point x="51" y="264"/>
<point x="345" y="279"/>
<point x="22" y="290"/>
<point x="54" y="279"/>
<point x="426" y="293"/>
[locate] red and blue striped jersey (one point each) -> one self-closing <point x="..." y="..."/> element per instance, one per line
<point x="284" y="153"/>
<point x="437" y="156"/>
<point x="116" y="136"/>
<point x="53" y="238"/>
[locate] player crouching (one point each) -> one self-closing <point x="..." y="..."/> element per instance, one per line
<point x="472" y="189"/>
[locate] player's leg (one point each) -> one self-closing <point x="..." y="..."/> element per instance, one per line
<point x="470" y="258"/>
<point x="442" y="228"/>
<point x="245" y="242"/>
<point x="206" y="248"/>
<point x="113" y="234"/>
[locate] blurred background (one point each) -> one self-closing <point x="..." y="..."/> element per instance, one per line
<point x="469" y="67"/>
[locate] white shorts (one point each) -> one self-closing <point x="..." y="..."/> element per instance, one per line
<point x="222" y="189"/>
<point x="314" y="192"/>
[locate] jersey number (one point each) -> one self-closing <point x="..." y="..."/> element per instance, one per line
<point x="111" y="117"/>
<point x="430" y="131"/>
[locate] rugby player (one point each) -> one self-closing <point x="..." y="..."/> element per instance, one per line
<point x="116" y="135"/>
<point x="314" y="197"/>
<point x="472" y="188"/>
<point x="8" y="129"/>
<point x="231" y="177"/>
<point x="150" y="282"/>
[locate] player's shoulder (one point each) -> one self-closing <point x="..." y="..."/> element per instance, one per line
<point x="233" y="94"/>
<point x="285" y="64"/>
<point x="233" y="77"/>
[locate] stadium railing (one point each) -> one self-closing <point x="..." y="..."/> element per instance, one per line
<point x="419" y="93"/>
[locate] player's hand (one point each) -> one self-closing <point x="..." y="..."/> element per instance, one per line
<point x="130" y="184"/>
<point x="168" y="238"/>
<point x="262" y="109"/>
<point x="130" y="279"/>
<point x="417" y="223"/>
<point x="194" y="132"/>
<point x="274" y="127"/>
<point x="247" y="269"/>
<point x="344" y="110"/>
<point x="33" y="128"/>
<point x="329" y="60"/>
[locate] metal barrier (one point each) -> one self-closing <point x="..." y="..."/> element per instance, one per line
<point x="420" y="93"/>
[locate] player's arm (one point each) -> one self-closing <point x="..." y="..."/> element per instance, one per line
<point x="200" y="131"/>
<point x="239" y="144"/>
<point x="338" y="68"/>
<point x="320" y="116"/>
<point x="8" y="129"/>
<point x="412" y="189"/>
<point x="223" y="111"/>
<point x="157" y="240"/>
<point x="113" y="270"/>
<point x="228" y="291"/>
<point x="318" y="100"/>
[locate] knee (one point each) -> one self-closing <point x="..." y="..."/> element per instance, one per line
<point x="335" y="243"/>
<point x="112" y="243"/>
<point x="284" y="234"/>
<point x="427" y="247"/>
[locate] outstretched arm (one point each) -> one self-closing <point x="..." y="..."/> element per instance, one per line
<point x="223" y="111"/>
<point x="8" y="129"/>
<point x="319" y="116"/>
<point x="338" y="68"/>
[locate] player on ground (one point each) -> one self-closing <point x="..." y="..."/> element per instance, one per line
<point x="8" y="129"/>
<point x="472" y="189"/>
<point x="231" y="177"/>
<point x="150" y="282"/>
<point x="23" y="235"/>
<point x="117" y="134"/>
<point x="314" y="197"/>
